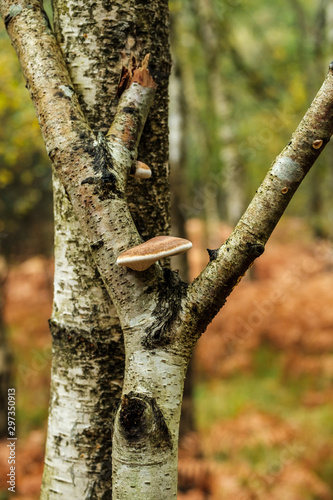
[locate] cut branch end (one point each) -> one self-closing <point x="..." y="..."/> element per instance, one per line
<point x="142" y="75"/>
<point x="136" y="74"/>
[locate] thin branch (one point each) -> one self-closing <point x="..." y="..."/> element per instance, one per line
<point x="207" y="294"/>
<point x="133" y="109"/>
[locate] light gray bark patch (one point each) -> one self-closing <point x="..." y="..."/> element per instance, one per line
<point x="13" y="11"/>
<point x="68" y="91"/>
<point x="287" y="169"/>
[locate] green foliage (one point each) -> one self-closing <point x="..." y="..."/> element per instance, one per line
<point x="266" y="60"/>
<point x="25" y="175"/>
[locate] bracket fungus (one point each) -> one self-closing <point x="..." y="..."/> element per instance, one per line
<point x="317" y="144"/>
<point x="141" y="170"/>
<point x="142" y="256"/>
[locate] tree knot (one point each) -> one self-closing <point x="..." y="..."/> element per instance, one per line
<point x="140" y="419"/>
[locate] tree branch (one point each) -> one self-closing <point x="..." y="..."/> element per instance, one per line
<point x="93" y="171"/>
<point x="132" y="110"/>
<point x="59" y="114"/>
<point x="209" y="291"/>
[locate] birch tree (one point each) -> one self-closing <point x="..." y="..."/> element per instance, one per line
<point x="93" y="99"/>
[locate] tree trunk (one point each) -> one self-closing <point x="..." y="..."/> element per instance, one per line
<point x="209" y="31"/>
<point x="96" y="44"/>
<point x="317" y="34"/>
<point x="87" y="368"/>
<point x="178" y="127"/>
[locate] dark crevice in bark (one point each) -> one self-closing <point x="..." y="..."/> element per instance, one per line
<point x="106" y="336"/>
<point x="141" y="419"/>
<point x="255" y="250"/>
<point x="169" y="294"/>
<point x="212" y="254"/>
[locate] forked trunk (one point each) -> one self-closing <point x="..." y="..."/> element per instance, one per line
<point x="88" y="353"/>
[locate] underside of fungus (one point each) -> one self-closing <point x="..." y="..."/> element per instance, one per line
<point x="141" y="170"/>
<point x="142" y="256"/>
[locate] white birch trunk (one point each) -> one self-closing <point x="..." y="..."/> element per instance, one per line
<point x="87" y="368"/>
<point x="83" y="46"/>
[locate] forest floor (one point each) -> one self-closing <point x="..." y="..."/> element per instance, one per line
<point x="263" y="379"/>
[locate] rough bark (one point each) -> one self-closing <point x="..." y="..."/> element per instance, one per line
<point x="87" y="368"/>
<point x="97" y="41"/>
<point x="160" y="315"/>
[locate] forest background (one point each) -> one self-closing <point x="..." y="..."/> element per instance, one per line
<point x="244" y="73"/>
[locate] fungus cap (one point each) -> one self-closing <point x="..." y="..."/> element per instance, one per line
<point x="142" y="171"/>
<point x="142" y="256"/>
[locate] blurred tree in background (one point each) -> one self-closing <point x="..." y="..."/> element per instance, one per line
<point x="25" y="176"/>
<point x="248" y="69"/>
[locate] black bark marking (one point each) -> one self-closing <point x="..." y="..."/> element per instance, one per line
<point x="57" y="442"/>
<point x="132" y="419"/>
<point x="13" y="12"/>
<point x="65" y="335"/>
<point x="84" y="135"/>
<point x="212" y="254"/>
<point x="91" y="349"/>
<point x="255" y="249"/>
<point x="88" y="180"/>
<point x="61" y="94"/>
<point x="140" y="419"/>
<point x="97" y="245"/>
<point x="108" y="178"/>
<point x="130" y="110"/>
<point x="105" y="181"/>
<point x="103" y="165"/>
<point x="171" y="290"/>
